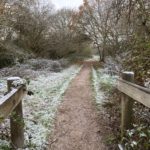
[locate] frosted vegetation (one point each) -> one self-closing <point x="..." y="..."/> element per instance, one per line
<point x="94" y="58"/>
<point x="34" y="67"/>
<point x="40" y="108"/>
<point x="102" y="84"/>
<point x="3" y="87"/>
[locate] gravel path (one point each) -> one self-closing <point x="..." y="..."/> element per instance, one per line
<point x="76" y="124"/>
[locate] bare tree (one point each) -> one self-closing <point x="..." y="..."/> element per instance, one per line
<point x="93" y="20"/>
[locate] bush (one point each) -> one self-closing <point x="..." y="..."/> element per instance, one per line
<point x="38" y="64"/>
<point x="64" y="63"/>
<point x="46" y="64"/>
<point x="56" y="66"/>
<point x="6" y="59"/>
<point x="137" y="138"/>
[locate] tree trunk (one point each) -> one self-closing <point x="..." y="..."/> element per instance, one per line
<point x="100" y="56"/>
<point x="103" y="55"/>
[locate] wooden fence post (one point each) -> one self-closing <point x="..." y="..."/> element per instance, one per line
<point x="16" y="120"/>
<point x="126" y="105"/>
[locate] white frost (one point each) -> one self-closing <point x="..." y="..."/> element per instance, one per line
<point x="40" y="108"/>
<point x="101" y="79"/>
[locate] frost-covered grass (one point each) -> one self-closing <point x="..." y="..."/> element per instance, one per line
<point x="93" y="58"/>
<point x="103" y="84"/>
<point x="99" y="95"/>
<point x="40" y="108"/>
<point x="3" y="87"/>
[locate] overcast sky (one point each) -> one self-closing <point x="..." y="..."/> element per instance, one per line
<point x="66" y="3"/>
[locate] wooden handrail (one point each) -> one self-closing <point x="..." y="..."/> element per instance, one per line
<point x="134" y="91"/>
<point x="9" y="102"/>
<point x="135" y="85"/>
<point x="130" y="92"/>
<point x="12" y="104"/>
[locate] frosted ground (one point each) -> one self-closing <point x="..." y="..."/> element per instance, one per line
<point x="40" y="108"/>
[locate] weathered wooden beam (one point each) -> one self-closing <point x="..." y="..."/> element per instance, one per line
<point x="10" y="101"/>
<point x="12" y="104"/>
<point x="16" y="118"/>
<point x="134" y="91"/>
<point x="126" y="105"/>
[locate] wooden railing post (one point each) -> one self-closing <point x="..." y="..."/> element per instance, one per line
<point x="16" y="120"/>
<point x="126" y="105"/>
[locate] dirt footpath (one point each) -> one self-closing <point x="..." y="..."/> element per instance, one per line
<point x="76" y="125"/>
